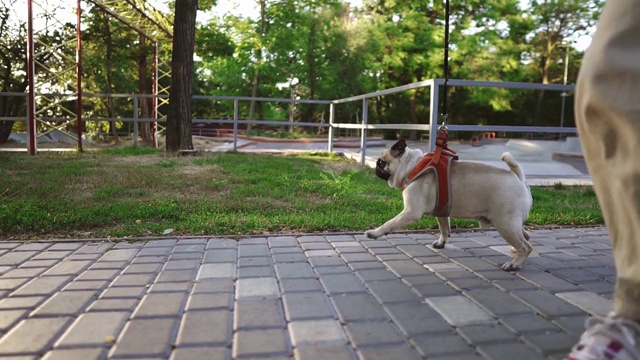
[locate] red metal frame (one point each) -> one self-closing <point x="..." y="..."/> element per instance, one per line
<point x="139" y="16"/>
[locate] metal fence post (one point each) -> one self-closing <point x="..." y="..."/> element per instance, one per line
<point x="331" y="120"/>
<point x="135" y="121"/>
<point x="32" y="130"/>
<point x="79" y="74"/>
<point x="363" y="131"/>
<point x="433" y="114"/>
<point x="235" y="125"/>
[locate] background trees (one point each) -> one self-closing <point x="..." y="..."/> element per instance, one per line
<point x="328" y="49"/>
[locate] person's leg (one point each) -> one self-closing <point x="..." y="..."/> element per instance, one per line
<point x="608" y="120"/>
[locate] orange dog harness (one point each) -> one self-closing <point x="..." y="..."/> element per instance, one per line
<point x="438" y="161"/>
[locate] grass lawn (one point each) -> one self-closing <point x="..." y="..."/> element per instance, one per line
<point x="141" y="192"/>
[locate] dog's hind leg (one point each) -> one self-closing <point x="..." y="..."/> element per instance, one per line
<point x="526" y="235"/>
<point x="444" y="224"/>
<point x="513" y="233"/>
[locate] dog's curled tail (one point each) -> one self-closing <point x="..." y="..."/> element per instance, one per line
<point x="513" y="165"/>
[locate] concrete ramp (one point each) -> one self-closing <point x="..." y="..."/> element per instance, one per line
<point x="572" y="145"/>
<point x="536" y="157"/>
<point x="56" y="136"/>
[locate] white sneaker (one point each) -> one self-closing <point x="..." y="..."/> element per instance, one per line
<point x="610" y="338"/>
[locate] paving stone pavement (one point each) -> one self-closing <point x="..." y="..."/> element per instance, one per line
<point x="302" y="297"/>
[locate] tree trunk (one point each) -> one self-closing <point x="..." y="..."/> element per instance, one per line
<point x="179" y="118"/>
<point x="10" y="106"/>
<point x="381" y="106"/>
<point x="311" y="63"/>
<point x="5" y="130"/>
<point x="545" y="62"/>
<point x="413" y="116"/>
<point x="256" y="76"/>
<point x="145" y="127"/>
<point x="109" y="83"/>
<point x="292" y="107"/>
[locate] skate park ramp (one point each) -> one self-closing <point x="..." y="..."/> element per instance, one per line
<point x="544" y="162"/>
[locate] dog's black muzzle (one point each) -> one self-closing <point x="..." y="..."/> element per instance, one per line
<point x="380" y="170"/>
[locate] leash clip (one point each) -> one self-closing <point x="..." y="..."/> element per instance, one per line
<point x="444" y="117"/>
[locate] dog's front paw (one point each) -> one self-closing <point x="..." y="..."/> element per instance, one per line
<point x="372" y="234"/>
<point x="510" y="266"/>
<point x="438" y="244"/>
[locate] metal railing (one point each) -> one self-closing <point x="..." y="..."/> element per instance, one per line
<point x="434" y="114"/>
<point x="363" y="126"/>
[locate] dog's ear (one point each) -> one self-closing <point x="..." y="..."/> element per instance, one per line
<point x="398" y="148"/>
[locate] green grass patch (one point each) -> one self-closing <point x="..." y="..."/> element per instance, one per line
<point x="125" y="192"/>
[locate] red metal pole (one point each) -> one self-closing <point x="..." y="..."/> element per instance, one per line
<point x="79" y="77"/>
<point x="31" y="98"/>
<point x="154" y="100"/>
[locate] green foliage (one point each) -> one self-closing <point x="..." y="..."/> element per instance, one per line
<point x="341" y="185"/>
<point x="563" y="204"/>
<point x="326" y="49"/>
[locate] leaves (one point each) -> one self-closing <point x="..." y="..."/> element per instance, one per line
<point x="328" y="49"/>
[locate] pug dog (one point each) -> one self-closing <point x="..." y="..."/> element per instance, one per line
<point x="478" y="191"/>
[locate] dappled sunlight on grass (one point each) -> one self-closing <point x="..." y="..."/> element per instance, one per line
<point x="133" y="193"/>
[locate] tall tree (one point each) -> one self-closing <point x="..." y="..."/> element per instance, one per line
<point x="109" y="55"/>
<point x="179" y="118"/>
<point x="490" y="46"/>
<point x="557" y="22"/>
<point x="145" y="127"/>
<point x="258" y="58"/>
<point x="407" y="43"/>
<point x="212" y="46"/>
<point x="108" y="41"/>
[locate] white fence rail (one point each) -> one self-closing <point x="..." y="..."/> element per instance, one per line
<point x="363" y="125"/>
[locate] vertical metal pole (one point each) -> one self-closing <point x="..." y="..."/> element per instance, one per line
<point x="154" y="101"/>
<point x="31" y="106"/>
<point x="135" y="121"/>
<point x="235" y="124"/>
<point x="433" y="114"/>
<point x="331" y="121"/>
<point x="564" y="93"/>
<point x="79" y="76"/>
<point x="564" y="97"/>
<point x="363" y="131"/>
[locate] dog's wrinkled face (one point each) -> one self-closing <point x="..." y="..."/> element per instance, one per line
<point x="387" y="164"/>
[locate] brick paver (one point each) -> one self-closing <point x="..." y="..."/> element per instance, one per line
<point x="302" y="297"/>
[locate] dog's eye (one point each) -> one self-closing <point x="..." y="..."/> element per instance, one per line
<point x="381" y="163"/>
